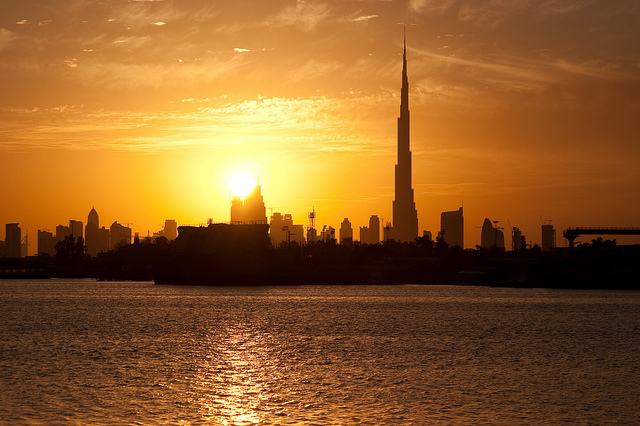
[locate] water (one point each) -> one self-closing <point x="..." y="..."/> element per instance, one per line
<point x="85" y="352"/>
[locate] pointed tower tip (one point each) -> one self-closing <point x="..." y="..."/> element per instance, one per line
<point x="404" y="42"/>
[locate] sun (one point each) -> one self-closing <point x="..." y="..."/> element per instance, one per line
<point x="241" y="184"/>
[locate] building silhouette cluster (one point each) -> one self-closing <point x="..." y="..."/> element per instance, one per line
<point x="96" y="239"/>
<point x="251" y="209"/>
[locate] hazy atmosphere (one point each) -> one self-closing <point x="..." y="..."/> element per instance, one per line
<point x="521" y="110"/>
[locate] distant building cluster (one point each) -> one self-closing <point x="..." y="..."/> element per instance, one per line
<point x="282" y="229"/>
<point x="97" y="239"/>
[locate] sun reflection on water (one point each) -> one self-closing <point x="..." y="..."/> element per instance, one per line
<point x="234" y="379"/>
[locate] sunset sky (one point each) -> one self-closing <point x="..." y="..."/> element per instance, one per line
<point x="520" y="109"/>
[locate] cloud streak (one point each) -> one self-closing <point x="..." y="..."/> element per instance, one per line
<point x="316" y="125"/>
<point x="303" y="15"/>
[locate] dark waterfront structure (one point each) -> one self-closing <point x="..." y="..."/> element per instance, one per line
<point x="405" y="215"/>
<point x="572" y="233"/>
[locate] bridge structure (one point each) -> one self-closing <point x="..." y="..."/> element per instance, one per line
<point x="572" y="233"/>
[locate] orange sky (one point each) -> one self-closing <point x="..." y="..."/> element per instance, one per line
<point x="144" y="109"/>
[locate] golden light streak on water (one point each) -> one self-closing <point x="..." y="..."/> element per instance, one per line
<point x="235" y="379"/>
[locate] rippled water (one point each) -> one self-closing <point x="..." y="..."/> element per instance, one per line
<point x="87" y="352"/>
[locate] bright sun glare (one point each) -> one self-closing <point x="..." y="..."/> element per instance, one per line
<point x="241" y="184"/>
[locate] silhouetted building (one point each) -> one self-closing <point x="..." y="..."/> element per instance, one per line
<point x="93" y="217"/>
<point x="312" y="235"/>
<point x="250" y="210"/>
<point x="346" y="231"/>
<point x="76" y="229"/>
<point x="328" y="234"/>
<point x="119" y="235"/>
<point x="13" y="240"/>
<point x="62" y="232"/>
<point x="46" y="243"/>
<point x="24" y="246"/>
<point x="491" y="236"/>
<point x="371" y="234"/>
<point x="170" y="229"/>
<point x="452" y="227"/>
<point x="95" y="238"/>
<point x="405" y="215"/>
<point x="427" y="235"/>
<point x="386" y="232"/>
<point x="518" y="241"/>
<point x="548" y="237"/>
<point x="283" y="230"/>
<point x="91" y="232"/>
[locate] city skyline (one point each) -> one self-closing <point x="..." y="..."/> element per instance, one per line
<point x="145" y="109"/>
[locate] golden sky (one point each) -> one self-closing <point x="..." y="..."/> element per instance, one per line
<point x="520" y="109"/>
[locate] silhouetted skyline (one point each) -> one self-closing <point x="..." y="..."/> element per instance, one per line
<point x="526" y="112"/>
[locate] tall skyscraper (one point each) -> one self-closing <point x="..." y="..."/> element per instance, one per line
<point x="93" y="218"/>
<point x="405" y="215"/>
<point x="119" y="235"/>
<point x="250" y="210"/>
<point x="13" y="239"/>
<point x="371" y="234"/>
<point x="95" y="238"/>
<point x="346" y="231"/>
<point x="46" y="243"/>
<point x="548" y="237"/>
<point x="76" y="229"/>
<point x="491" y="235"/>
<point x="452" y="227"/>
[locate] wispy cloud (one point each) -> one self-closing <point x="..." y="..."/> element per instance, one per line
<point x="312" y="70"/>
<point x="305" y="15"/>
<point x="431" y="7"/>
<point x="535" y="71"/>
<point x="318" y="125"/>
<point x="563" y="6"/>
<point x="490" y="13"/>
<point x="363" y="18"/>
<point x="6" y="37"/>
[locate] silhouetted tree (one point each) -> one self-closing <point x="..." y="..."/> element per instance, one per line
<point x="441" y="247"/>
<point x="70" y="251"/>
<point x="425" y="245"/>
<point x="599" y="242"/>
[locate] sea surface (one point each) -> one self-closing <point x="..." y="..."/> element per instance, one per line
<point x="86" y="352"/>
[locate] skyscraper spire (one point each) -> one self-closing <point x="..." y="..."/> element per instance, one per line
<point x="404" y="101"/>
<point x="405" y="216"/>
